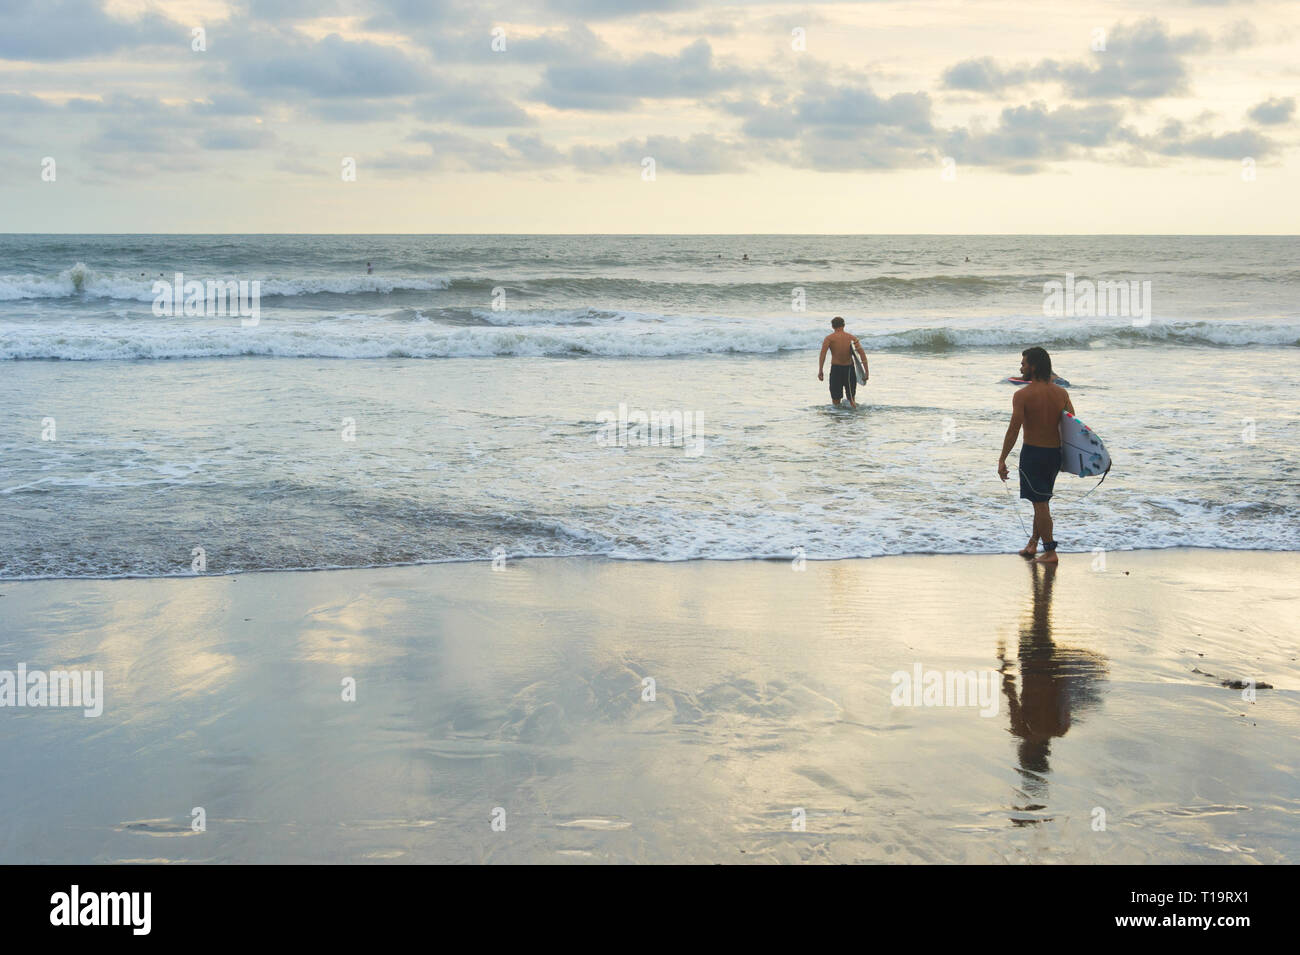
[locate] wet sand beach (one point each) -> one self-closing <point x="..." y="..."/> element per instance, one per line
<point x="523" y="696"/>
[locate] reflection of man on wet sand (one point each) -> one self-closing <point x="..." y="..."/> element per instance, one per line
<point x="1054" y="683"/>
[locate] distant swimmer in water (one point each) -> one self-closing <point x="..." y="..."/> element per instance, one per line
<point x="745" y="257"/>
<point x="968" y="258"/>
<point x="369" y="268"/>
<point x="843" y="379"/>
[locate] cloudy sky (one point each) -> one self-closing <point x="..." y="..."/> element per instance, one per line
<point x="977" y="116"/>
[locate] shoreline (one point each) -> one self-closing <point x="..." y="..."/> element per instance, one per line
<point x="601" y="558"/>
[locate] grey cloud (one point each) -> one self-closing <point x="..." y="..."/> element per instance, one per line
<point x="840" y="127"/>
<point x="356" y="110"/>
<point x="1175" y="140"/>
<point x="25" y="103"/>
<point x="113" y="166"/>
<point x="880" y="149"/>
<point x="695" y="155"/>
<point x="330" y="67"/>
<point x="279" y="10"/>
<point x="532" y="150"/>
<point x="463" y="104"/>
<point x="253" y="137"/>
<point x="1273" y="110"/>
<point x="983" y="75"/>
<point x="860" y="107"/>
<point x="468" y="38"/>
<point x="410" y="14"/>
<point x="73" y="29"/>
<point x="1028" y="135"/>
<point x="611" y="9"/>
<point x="145" y="141"/>
<point x="137" y="108"/>
<point x="452" y="149"/>
<point x="1142" y="61"/>
<point x="407" y="15"/>
<point x="127" y="104"/>
<point x="699" y="154"/>
<point x="388" y="14"/>
<point x="562" y="46"/>
<point x="471" y="105"/>
<point x="607" y="83"/>
<point x="228" y="104"/>
<point x="772" y="120"/>
<point x="710" y="28"/>
<point x="1238" y="36"/>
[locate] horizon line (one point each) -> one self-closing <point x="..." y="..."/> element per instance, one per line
<point x="1219" y="235"/>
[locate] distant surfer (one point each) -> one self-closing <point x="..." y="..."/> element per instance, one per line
<point x="843" y="377"/>
<point x="369" y="268"/>
<point x="1037" y="408"/>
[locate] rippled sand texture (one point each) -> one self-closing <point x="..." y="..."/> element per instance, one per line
<point x="525" y="690"/>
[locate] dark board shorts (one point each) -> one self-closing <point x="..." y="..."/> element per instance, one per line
<point x="843" y="377"/>
<point x="1038" y="467"/>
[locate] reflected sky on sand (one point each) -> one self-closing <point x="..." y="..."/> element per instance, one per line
<point x="697" y="712"/>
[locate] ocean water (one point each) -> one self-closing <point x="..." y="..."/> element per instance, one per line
<point x="463" y="401"/>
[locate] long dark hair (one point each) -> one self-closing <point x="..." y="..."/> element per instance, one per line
<point x="1040" y="363"/>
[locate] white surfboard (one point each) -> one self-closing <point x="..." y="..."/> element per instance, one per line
<point x="1018" y="381"/>
<point x="1082" y="452"/>
<point x="862" y="372"/>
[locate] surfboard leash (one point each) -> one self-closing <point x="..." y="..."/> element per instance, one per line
<point x="1012" y="498"/>
<point x="1098" y="484"/>
<point x="1011" y="502"/>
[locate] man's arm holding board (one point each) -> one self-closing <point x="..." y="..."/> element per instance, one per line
<point x="866" y="370"/>
<point x="821" y="359"/>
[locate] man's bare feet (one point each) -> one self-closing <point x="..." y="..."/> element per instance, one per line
<point x="1047" y="558"/>
<point x="1030" y="549"/>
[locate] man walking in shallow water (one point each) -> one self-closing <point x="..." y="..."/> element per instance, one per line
<point x="844" y="379"/>
<point x="1037" y="408"/>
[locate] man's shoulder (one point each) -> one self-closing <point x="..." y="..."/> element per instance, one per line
<point x="1041" y="392"/>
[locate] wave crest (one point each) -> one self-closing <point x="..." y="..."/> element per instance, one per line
<point x="82" y="281"/>
<point x="583" y="332"/>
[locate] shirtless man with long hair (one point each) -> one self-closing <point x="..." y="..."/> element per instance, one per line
<point x="1037" y="408"/>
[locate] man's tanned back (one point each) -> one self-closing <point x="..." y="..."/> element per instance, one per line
<point x="1041" y="403"/>
<point x="840" y="344"/>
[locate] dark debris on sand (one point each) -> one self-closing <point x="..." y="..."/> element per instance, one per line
<point x="1234" y="684"/>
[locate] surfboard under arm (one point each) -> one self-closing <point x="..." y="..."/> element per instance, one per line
<point x="1082" y="452"/>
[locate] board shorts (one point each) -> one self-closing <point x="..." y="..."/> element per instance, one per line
<point x="843" y="377"/>
<point x="1038" y="468"/>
